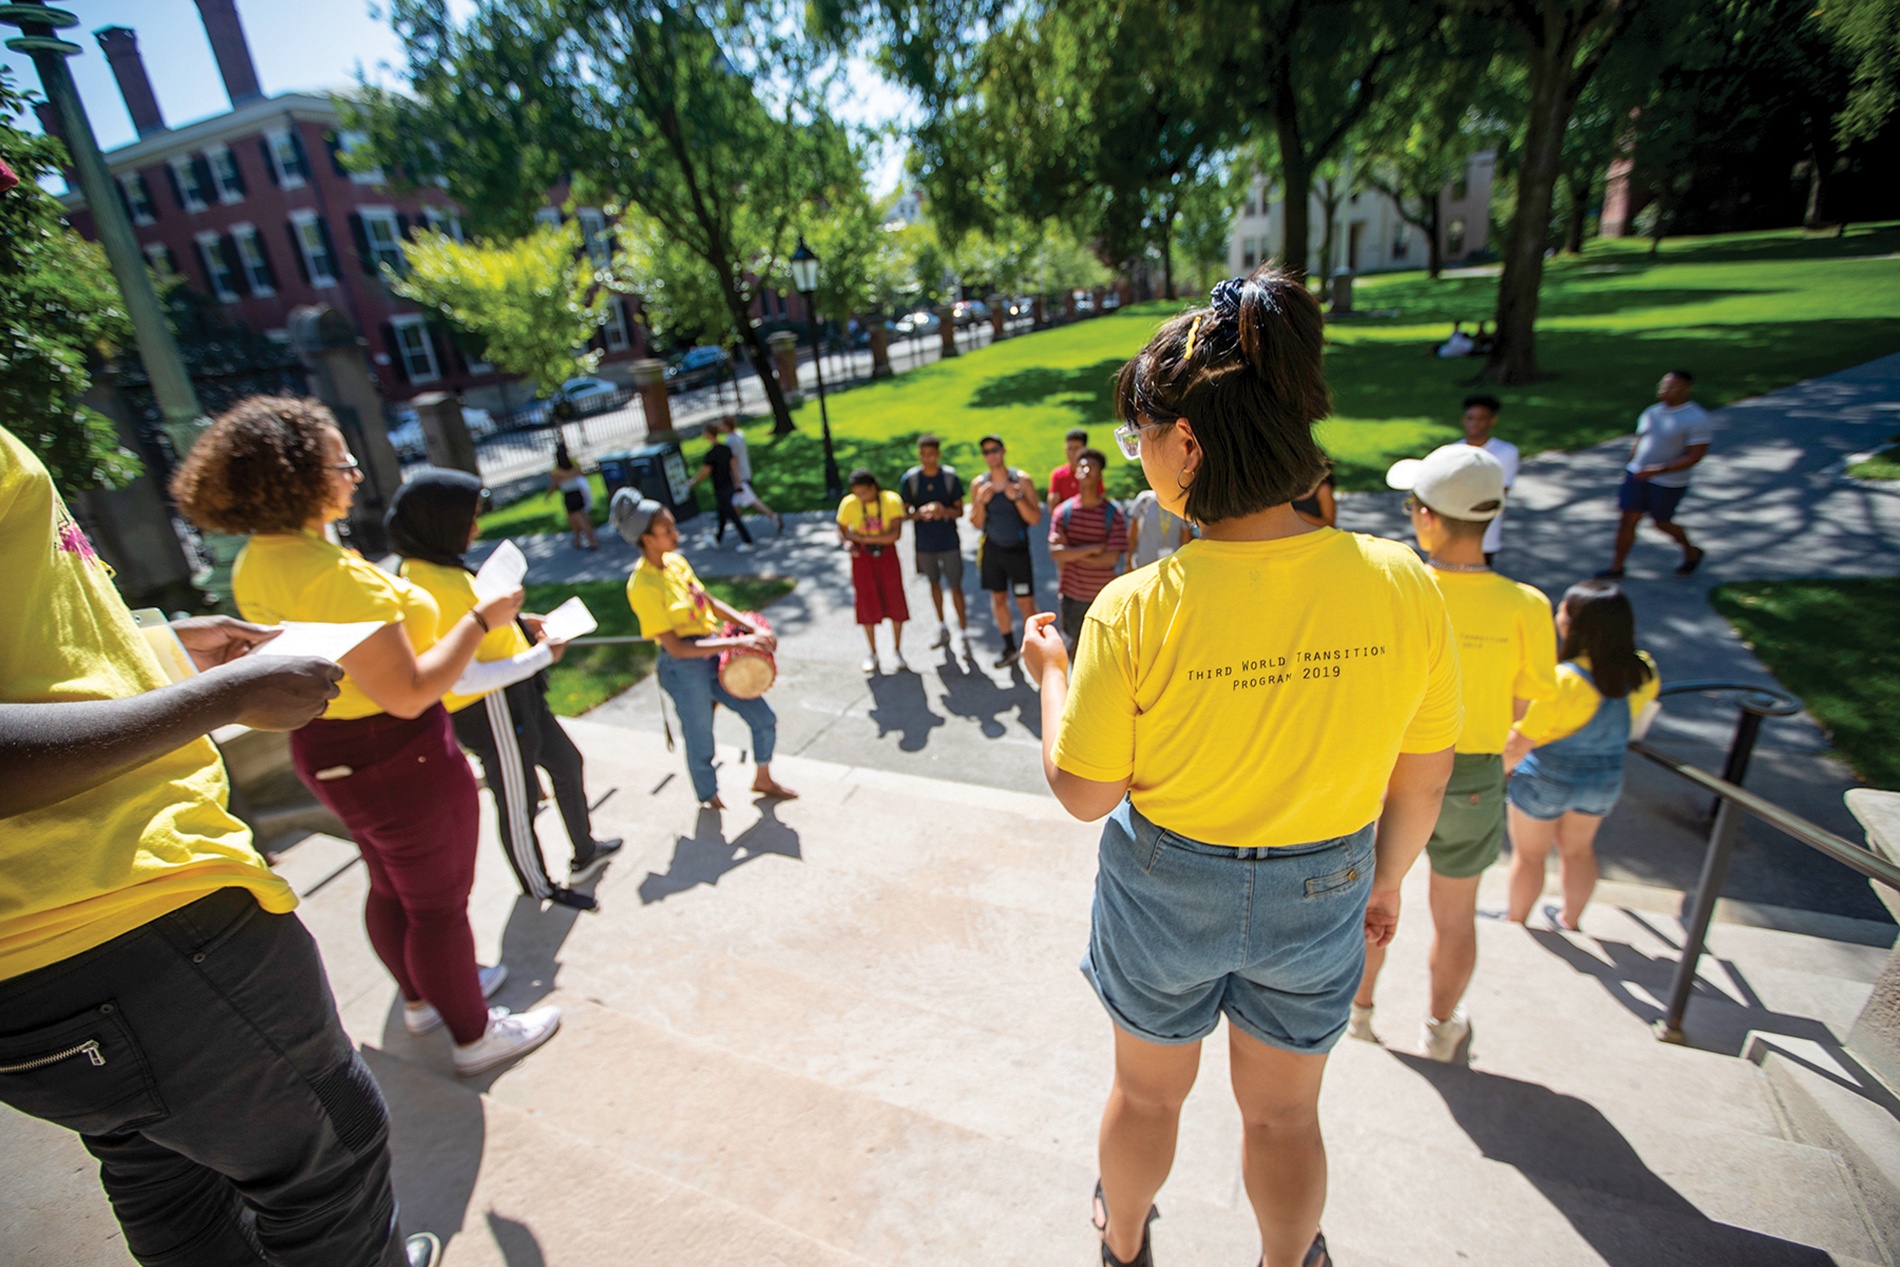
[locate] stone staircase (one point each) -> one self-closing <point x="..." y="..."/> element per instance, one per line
<point x="851" y="1030"/>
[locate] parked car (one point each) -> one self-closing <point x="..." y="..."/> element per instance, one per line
<point x="922" y="321"/>
<point x="969" y="311"/>
<point x="1111" y="301"/>
<point x="1022" y="306"/>
<point x="588" y="395"/>
<point x="406" y="433"/>
<point x="699" y="367"/>
<point x="1084" y="302"/>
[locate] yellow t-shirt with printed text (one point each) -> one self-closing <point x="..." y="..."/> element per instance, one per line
<point x="670" y="597"/>
<point x="76" y="874"/>
<point x="1507" y="649"/>
<point x="1258" y="693"/>
<point x="1576" y="701"/>
<point x="453" y="590"/>
<point x="304" y="576"/>
<point x="855" y="513"/>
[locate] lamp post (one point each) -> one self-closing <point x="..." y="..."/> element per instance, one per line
<point x="805" y="279"/>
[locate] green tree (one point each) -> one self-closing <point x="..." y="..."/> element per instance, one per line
<point x="707" y="120"/>
<point x="1868" y="34"/>
<point x="533" y="301"/>
<point x="1205" y="222"/>
<point x="59" y="312"/>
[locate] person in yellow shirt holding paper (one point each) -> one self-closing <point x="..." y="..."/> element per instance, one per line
<point x="383" y="757"/>
<point x="157" y="993"/>
<point x="1567" y="752"/>
<point x="676" y="611"/>
<point x="1243" y="712"/>
<point x="1507" y="657"/>
<point x="432" y="522"/>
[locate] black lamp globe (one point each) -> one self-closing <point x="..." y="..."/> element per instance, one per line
<point x="804" y="269"/>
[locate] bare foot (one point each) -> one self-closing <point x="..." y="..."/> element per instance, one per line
<point x="773" y="788"/>
<point x="713" y="803"/>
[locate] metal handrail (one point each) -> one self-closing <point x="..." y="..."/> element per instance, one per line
<point x="1732" y="801"/>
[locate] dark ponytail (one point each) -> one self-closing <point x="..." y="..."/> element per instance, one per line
<point x="1603" y="627"/>
<point x="1246" y="373"/>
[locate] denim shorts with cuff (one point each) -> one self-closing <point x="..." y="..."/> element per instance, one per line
<point x="1183" y="931"/>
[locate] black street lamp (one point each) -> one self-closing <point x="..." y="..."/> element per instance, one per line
<point x="805" y="281"/>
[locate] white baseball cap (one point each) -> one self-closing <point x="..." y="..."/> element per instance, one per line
<point x="1460" y="481"/>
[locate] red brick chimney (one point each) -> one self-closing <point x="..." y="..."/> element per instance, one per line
<point x="231" y="49"/>
<point x="121" y="47"/>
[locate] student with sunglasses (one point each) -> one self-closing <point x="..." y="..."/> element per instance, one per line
<point x="1003" y="506"/>
<point x="1243" y="713"/>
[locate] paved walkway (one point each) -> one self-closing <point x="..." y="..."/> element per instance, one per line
<point x="1770" y="501"/>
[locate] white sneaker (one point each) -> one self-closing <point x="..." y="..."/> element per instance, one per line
<point x="745" y="547"/>
<point x="1448" y="1041"/>
<point x="1359" y="1025"/>
<point x="943" y="638"/>
<point x="903" y="665"/>
<point x="869" y="666"/>
<point x="509" y="1036"/>
<point x="426" y="1020"/>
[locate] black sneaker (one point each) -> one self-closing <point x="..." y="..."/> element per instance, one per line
<point x="575" y="899"/>
<point x="1010" y="654"/>
<point x="587" y="868"/>
<point x="1689" y="564"/>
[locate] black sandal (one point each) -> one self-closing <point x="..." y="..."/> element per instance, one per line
<point x="1099" y="1217"/>
<point x="1316" y="1253"/>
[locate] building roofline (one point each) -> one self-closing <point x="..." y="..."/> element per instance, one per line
<point x="245" y="120"/>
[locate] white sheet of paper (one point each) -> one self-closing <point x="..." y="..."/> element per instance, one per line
<point x="331" y="642"/>
<point x="501" y="572"/>
<point x="569" y="621"/>
<point x="163" y="640"/>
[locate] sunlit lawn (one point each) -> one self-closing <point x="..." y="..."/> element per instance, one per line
<point x="586" y="676"/>
<point x="1831" y="643"/>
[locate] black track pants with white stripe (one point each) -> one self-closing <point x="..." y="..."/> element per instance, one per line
<point x="513" y="731"/>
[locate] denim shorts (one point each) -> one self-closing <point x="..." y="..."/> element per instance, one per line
<point x="1547" y="795"/>
<point x="1183" y="931"/>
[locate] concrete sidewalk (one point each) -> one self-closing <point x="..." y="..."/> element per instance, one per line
<point x="1770" y="501"/>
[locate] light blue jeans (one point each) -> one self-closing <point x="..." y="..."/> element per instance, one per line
<point x="694" y="686"/>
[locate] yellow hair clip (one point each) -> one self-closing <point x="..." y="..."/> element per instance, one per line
<point x="1193" y="331"/>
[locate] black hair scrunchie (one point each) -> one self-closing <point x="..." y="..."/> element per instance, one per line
<point x="1225" y="297"/>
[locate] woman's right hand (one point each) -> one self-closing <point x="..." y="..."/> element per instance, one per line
<point x="501" y="609"/>
<point x="1042" y="646"/>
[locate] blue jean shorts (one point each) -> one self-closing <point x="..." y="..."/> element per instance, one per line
<point x="1646" y="497"/>
<point x="1184" y="931"/>
<point x="1548" y="795"/>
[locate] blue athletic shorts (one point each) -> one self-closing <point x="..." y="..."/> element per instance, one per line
<point x="1646" y="497"/>
<point x="1184" y="931"/>
<point x="1547" y="795"/>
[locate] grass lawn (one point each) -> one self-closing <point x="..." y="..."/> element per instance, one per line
<point x="1831" y="643"/>
<point x="1884" y="465"/>
<point x="587" y="676"/>
<point x="1747" y="313"/>
<point x="541" y="512"/>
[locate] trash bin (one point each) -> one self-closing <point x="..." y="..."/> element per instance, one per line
<point x="654" y="470"/>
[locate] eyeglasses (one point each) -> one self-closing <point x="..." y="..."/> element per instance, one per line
<point x="347" y="467"/>
<point x="992" y="450"/>
<point x="1128" y="436"/>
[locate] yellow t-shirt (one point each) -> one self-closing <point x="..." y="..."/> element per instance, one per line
<point x="453" y="590"/>
<point x="855" y="513"/>
<point x="1507" y="649"/>
<point x="303" y="576"/>
<point x="76" y="874"/>
<point x="1258" y="693"/>
<point x="670" y="597"/>
<point x="1576" y="702"/>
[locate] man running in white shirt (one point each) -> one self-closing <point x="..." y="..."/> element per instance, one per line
<point x="1481" y="414"/>
<point x="1672" y="435"/>
<point x="743" y="495"/>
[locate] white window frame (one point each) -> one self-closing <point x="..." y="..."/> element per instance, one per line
<point x="256" y="270"/>
<point x="350" y="140"/>
<point x="190" y="192"/>
<point x="135" y="197"/>
<point x="159" y="257"/>
<point x="548" y="215"/>
<point x="211" y="251"/>
<point x="418" y="325"/>
<point x="443" y="220"/>
<point x="386" y="252"/>
<point x="613" y="326"/>
<point x="227" y="194"/>
<point x="599" y="246"/>
<point x="282" y="151"/>
<point x="306" y="222"/>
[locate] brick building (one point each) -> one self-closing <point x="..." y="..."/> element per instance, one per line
<point x="257" y="211"/>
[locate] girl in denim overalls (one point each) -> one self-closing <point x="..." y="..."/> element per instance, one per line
<point x="1568" y="751"/>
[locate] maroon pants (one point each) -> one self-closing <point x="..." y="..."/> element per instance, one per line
<point x="406" y="794"/>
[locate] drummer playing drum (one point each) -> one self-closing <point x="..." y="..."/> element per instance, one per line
<point x="676" y="611"/>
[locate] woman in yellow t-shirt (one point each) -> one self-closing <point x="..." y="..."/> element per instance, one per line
<point x="870" y="519"/>
<point x="504" y="719"/>
<point x="383" y="756"/>
<point x="1243" y="711"/>
<point x="676" y="611"/>
<point x="1567" y="752"/>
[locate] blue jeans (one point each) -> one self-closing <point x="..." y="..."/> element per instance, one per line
<point x="694" y="686"/>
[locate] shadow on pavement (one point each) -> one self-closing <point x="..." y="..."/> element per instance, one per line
<point x="967" y="692"/>
<point x="517" y="1242"/>
<point x="902" y="706"/>
<point x="1580" y="1162"/>
<point x="707" y="855"/>
<point x="1714" y="1021"/>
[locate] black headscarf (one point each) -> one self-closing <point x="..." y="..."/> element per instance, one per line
<point x="430" y="515"/>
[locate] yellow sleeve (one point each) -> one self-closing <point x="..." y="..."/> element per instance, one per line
<point x="352" y="590"/>
<point x="1537" y="674"/>
<point x="649" y="604"/>
<point x="851" y="513"/>
<point x="1441" y="714"/>
<point x="1564" y="713"/>
<point x="894" y="511"/>
<point x="1096" y="739"/>
<point x="1643" y="696"/>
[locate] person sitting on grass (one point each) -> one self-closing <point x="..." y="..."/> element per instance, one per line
<point x="1459" y="344"/>
<point x="870" y="520"/>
